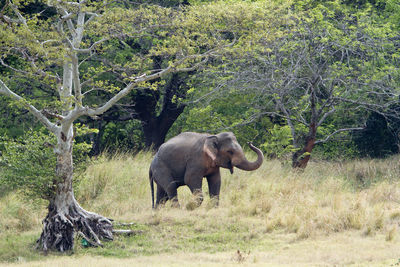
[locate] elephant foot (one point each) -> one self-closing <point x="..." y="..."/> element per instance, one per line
<point x="192" y="205"/>
<point x="214" y="202"/>
<point x="196" y="202"/>
<point x="175" y="203"/>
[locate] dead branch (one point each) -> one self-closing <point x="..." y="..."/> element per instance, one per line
<point x="339" y="131"/>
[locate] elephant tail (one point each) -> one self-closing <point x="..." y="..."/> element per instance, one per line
<point x="151" y="187"/>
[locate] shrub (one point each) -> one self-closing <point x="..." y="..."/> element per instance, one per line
<point x="28" y="164"/>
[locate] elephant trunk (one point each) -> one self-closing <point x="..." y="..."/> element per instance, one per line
<point x="251" y="166"/>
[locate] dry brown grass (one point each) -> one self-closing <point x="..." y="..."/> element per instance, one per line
<point x="18" y="214"/>
<point x="325" y="198"/>
<point x="331" y="213"/>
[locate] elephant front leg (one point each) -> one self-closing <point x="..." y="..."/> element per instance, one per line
<point x="214" y="186"/>
<point x="198" y="196"/>
<point x="194" y="181"/>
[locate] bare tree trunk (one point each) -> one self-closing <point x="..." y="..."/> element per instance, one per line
<point x="65" y="216"/>
<point x="156" y="129"/>
<point x="301" y="157"/>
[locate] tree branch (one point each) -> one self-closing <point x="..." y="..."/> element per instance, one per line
<point x="7" y="92"/>
<point x="12" y="68"/>
<point x="51" y="115"/>
<point x="79" y="29"/>
<point x="89" y="49"/>
<point x="338" y="131"/>
<point x="67" y="17"/>
<point x="125" y="91"/>
<point x="5" y="18"/>
<point x="20" y="17"/>
<point x="289" y="121"/>
<point x="79" y="111"/>
<point x="76" y="79"/>
<point x="323" y="118"/>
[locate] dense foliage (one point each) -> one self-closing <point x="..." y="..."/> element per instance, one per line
<point x="28" y="162"/>
<point x="320" y="75"/>
<point x="285" y="65"/>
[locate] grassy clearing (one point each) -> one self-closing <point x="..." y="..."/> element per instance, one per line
<point x="340" y="249"/>
<point x="268" y="215"/>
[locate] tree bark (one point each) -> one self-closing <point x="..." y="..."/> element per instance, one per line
<point x="65" y="216"/>
<point x="155" y="128"/>
<point x="301" y="157"/>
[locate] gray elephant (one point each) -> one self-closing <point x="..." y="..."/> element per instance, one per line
<point x="188" y="157"/>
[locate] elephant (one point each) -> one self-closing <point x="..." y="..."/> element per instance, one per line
<point x="189" y="157"/>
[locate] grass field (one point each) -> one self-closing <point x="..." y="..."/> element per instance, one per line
<point x="333" y="213"/>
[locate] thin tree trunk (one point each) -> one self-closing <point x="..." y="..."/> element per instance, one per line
<point x="301" y="157"/>
<point x="65" y="216"/>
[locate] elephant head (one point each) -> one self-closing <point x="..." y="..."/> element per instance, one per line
<point x="225" y="151"/>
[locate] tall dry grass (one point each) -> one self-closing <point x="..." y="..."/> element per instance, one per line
<point x="327" y="197"/>
<point x="263" y="211"/>
<point x="19" y="214"/>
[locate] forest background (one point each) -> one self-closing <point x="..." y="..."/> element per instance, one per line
<point x="320" y="70"/>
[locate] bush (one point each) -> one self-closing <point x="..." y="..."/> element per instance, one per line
<point x="28" y="164"/>
<point x="280" y="143"/>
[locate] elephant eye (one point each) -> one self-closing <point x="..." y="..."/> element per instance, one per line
<point x="230" y="152"/>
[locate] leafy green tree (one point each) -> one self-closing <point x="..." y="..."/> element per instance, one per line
<point x="27" y="163"/>
<point x="329" y="60"/>
<point x="213" y="109"/>
<point x="157" y="110"/>
<point x="151" y="111"/>
<point x="60" y="88"/>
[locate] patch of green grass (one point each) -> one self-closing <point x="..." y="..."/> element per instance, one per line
<point x="17" y="247"/>
<point x="139" y="243"/>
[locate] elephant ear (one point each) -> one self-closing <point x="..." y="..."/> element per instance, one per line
<point x="211" y="147"/>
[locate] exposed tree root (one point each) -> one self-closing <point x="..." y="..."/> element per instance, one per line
<point x="124" y="224"/>
<point x="126" y="232"/>
<point x="60" y="225"/>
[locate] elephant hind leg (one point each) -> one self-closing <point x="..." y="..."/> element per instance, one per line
<point x="162" y="196"/>
<point x="172" y="191"/>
